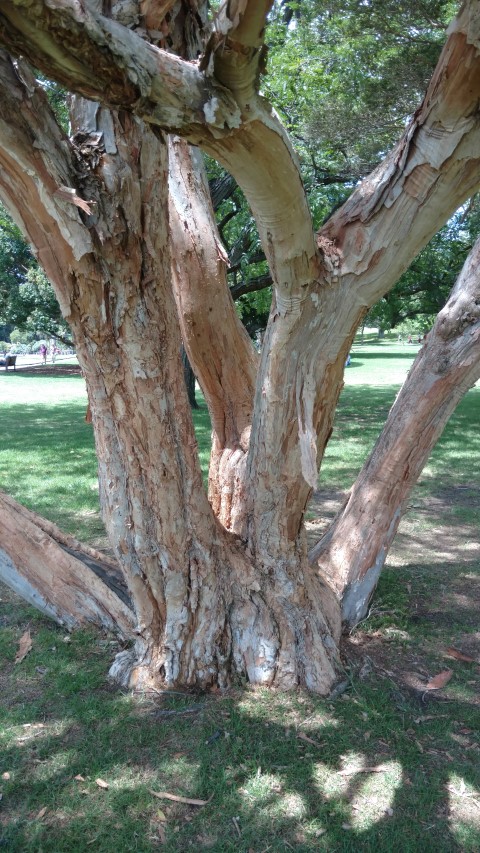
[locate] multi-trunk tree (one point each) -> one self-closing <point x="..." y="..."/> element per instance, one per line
<point x="119" y="216"/>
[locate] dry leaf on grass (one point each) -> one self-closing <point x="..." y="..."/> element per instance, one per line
<point x="440" y="680"/>
<point x="302" y="736"/>
<point x="41" y="813"/>
<point x="24" y="646"/>
<point x="79" y="778"/>
<point x="458" y="655"/>
<point x="101" y="783"/>
<point x="164" y="795"/>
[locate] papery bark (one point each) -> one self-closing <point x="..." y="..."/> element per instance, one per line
<point x="69" y="582"/>
<point x="215" y="339"/>
<point x="211" y="605"/>
<point x="204" y="611"/>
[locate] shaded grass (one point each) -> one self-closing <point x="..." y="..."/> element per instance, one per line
<point x="268" y="763"/>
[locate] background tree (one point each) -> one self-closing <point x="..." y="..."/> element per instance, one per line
<point x="225" y="586"/>
<point x="27" y="300"/>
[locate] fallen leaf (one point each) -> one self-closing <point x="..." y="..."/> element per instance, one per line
<point x="381" y="768"/>
<point x="41" y="813"/>
<point x="439" y="680"/>
<point x="162" y="836"/>
<point x="163" y="795"/>
<point x="79" y="778"/>
<point x="24" y="646"/>
<point x="303" y="736"/>
<point x="101" y="783"/>
<point x="458" y="655"/>
<point x="161" y="815"/>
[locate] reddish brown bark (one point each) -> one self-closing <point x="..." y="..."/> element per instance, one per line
<point x="215" y="339"/>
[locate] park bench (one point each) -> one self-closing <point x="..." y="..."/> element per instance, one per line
<point x="9" y="361"/>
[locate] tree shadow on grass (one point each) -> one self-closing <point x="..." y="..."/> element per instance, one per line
<point x="279" y="771"/>
<point x="410" y="352"/>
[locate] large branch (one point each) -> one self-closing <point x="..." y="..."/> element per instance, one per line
<point x="244" y="20"/>
<point x="67" y="581"/>
<point x="353" y="551"/>
<point x="217" y="344"/>
<point x="102" y="60"/>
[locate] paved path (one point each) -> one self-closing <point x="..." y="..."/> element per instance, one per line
<point x="34" y="360"/>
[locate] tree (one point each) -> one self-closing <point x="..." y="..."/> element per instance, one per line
<point x="222" y="586"/>
<point x="27" y="300"/>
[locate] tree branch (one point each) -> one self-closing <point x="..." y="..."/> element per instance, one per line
<point x="217" y="344"/>
<point x="353" y="551"/>
<point x="66" y="580"/>
<point x="102" y="60"/>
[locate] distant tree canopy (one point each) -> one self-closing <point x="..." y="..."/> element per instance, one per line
<point x="27" y="299"/>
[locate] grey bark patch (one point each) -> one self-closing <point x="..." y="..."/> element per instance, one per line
<point x="10" y="576"/>
<point x="357" y="595"/>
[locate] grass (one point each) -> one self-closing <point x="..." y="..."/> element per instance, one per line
<point x="277" y="771"/>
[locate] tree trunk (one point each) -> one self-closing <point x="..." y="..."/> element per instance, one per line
<point x="204" y="611"/>
<point x="121" y="227"/>
<point x="352" y="553"/>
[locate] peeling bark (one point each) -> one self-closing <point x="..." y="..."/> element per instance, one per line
<point x="67" y="581"/>
<point x="203" y="611"/>
<point x="214" y="337"/>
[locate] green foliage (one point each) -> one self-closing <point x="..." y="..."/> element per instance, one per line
<point x="15" y="260"/>
<point x="416" y="299"/>
<point x="346" y="76"/>
<point x="27" y="300"/>
<point x="58" y="100"/>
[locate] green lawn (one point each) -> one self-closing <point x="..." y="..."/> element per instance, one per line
<point x="383" y="767"/>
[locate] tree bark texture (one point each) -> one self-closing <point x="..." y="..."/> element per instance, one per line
<point x="214" y="337"/>
<point x="122" y="225"/>
<point x="67" y="581"/>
